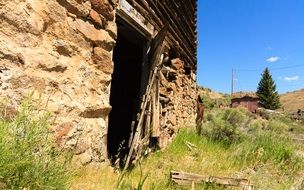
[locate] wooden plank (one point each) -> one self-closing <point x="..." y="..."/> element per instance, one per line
<point x="147" y="12"/>
<point x="174" y="37"/>
<point x="190" y="144"/>
<point x="132" y="133"/>
<point x="156" y="127"/>
<point x="176" y="26"/>
<point x="153" y="108"/>
<point x="135" y="19"/>
<point x="158" y="15"/>
<point x="183" y="178"/>
<point x="148" y="119"/>
<point x="157" y="46"/>
<point x="182" y="18"/>
<point x="139" y="125"/>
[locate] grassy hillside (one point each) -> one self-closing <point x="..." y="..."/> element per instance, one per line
<point x="292" y="101"/>
<point x="210" y="93"/>
<point x="213" y="99"/>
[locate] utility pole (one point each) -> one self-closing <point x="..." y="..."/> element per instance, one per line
<point x="232" y="83"/>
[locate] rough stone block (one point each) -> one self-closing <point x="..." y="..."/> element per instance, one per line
<point x="99" y="37"/>
<point x="177" y="64"/>
<point x="111" y="28"/>
<point x="98" y="112"/>
<point x="104" y="8"/>
<point x="63" y="48"/>
<point x="103" y="60"/>
<point x="95" y="17"/>
<point x="75" y="7"/>
<point x="61" y="131"/>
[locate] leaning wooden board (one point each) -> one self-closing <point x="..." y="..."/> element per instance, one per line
<point x="135" y="143"/>
<point x="183" y="178"/>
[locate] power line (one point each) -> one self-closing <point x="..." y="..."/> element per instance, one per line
<point x="272" y="69"/>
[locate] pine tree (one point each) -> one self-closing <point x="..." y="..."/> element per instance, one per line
<point x="268" y="96"/>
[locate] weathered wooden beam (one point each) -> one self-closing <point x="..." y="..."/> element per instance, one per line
<point x="188" y="51"/>
<point x="131" y="133"/>
<point x="132" y="16"/>
<point x="178" y="29"/>
<point x="183" y="178"/>
<point x="148" y="118"/>
<point x="181" y="16"/>
<point x="138" y="131"/>
<point x="146" y="12"/>
<point x="181" y="42"/>
<point x="155" y="123"/>
<point x="145" y="6"/>
<point x="190" y="5"/>
<point x="157" y="47"/>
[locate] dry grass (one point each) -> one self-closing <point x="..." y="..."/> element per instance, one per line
<point x="209" y="158"/>
<point x="264" y="157"/>
<point x="94" y="178"/>
<point x="292" y="101"/>
<point x="211" y="94"/>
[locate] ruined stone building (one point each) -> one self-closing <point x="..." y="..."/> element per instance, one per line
<point x="117" y="75"/>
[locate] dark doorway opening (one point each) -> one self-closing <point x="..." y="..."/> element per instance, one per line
<point x="126" y="88"/>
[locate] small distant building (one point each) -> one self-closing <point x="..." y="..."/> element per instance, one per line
<point x="247" y="100"/>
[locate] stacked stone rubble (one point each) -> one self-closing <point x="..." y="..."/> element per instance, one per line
<point x="178" y="93"/>
<point x="62" y="51"/>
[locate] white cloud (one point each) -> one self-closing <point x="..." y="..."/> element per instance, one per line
<point x="273" y="59"/>
<point x="279" y="78"/>
<point x="290" y="79"/>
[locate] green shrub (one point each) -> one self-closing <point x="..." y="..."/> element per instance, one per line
<point x="27" y="158"/>
<point x="235" y="117"/>
<point x="225" y="126"/>
<point x="209" y="116"/>
<point x="224" y="132"/>
<point x="208" y="102"/>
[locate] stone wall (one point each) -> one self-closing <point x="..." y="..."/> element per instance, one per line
<point x="178" y="92"/>
<point x="62" y="51"/>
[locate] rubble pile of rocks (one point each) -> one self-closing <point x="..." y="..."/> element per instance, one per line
<point x="178" y="93"/>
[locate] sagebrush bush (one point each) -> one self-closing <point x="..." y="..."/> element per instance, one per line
<point x="209" y="117"/>
<point x="225" y="125"/>
<point x="27" y="158"/>
<point x="235" y="117"/>
<point x="208" y="102"/>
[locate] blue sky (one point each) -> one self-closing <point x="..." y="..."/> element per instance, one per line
<point x="249" y="35"/>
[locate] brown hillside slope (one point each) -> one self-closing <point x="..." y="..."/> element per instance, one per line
<point x="292" y="101"/>
<point x="210" y="93"/>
